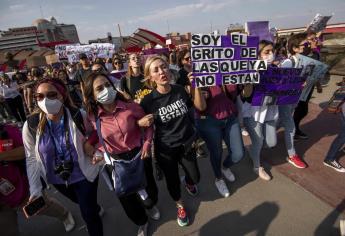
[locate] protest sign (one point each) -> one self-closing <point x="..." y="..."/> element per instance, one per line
<point x="158" y="51"/>
<point x="118" y="74"/>
<point x="219" y="59"/>
<point x="36" y="61"/>
<point x="318" y="24"/>
<point x="259" y="29"/>
<point x="51" y="59"/>
<point x="279" y="86"/>
<point x="93" y="51"/>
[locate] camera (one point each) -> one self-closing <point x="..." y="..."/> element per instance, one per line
<point x="64" y="169"/>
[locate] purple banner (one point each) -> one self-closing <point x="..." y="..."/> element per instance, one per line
<point x="222" y="59"/>
<point x="156" y="51"/>
<point x="259" y="29"/>
<point x="279" y="86"/>
<point x="118" y="75"/>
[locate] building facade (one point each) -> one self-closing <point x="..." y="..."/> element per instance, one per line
<point x="42" y="32"/>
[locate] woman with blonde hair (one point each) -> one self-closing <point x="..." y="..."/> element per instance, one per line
<point x="170" y="109"/>
<point x="133" y="82"/>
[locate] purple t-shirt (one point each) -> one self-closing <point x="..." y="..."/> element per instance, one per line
<point x="47" y="150"/>
<point x="219" y="105"/>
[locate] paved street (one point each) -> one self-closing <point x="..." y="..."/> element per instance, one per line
<point x="255" y="207"/>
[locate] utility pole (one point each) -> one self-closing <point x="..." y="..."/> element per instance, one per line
<point x="121" y="41"/>
<point x="168" y="27"/>
<point x="41" y="11"/>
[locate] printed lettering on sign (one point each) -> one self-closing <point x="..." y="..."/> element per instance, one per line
<point x="222" y="59"/>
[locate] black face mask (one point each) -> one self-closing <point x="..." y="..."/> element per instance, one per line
<point x="306" y="50"/>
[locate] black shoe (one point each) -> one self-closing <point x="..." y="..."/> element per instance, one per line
<point x="335" y="165"/>
<point x="300" y="135"/>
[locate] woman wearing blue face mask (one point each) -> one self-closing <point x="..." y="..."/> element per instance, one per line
<point x="53" y="140"/>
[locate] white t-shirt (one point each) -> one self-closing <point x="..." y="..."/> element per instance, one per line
<point x="260" y="113"/>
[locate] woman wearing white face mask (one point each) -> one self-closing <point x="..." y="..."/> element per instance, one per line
<point x="53" y="140"/>
<point x="123" y="140"/>
<point x="260" y="121"/>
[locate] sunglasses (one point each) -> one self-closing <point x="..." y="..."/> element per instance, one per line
<point x="117" y="63"/>
<point x="50" y="95"/>
<point x="186" y="58"/>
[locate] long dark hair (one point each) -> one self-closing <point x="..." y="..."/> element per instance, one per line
<point x="180" y="58"/>
<point x="91" y="105"/>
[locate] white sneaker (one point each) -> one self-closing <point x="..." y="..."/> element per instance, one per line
<point x="143" y="229"/>
<point x="244" y="132"/>
<point x="154" y="213"/>
<point x="222" y="188"/>
<point x="262" y="173"/>
<point x="69" y="222"/>
<point x="228" y="174"/>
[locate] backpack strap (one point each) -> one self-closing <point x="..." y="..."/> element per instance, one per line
<point x="78" y="120"/>
<point x="33" y="121"/>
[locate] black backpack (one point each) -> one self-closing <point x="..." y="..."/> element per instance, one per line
<point x="76" y="115"/>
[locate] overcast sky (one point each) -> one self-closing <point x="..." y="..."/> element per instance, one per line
<point x="94" y="19"/>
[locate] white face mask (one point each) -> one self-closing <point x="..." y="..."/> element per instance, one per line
<point x="50" y="106"/>
<point x="269" y="58"/>
<point x="107" y="95"/>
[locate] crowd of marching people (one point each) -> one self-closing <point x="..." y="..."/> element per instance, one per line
<point x="135" y="121"/>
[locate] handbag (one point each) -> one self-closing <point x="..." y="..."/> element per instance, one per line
<point x="128" y="175"/>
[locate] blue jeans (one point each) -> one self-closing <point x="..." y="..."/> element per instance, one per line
<point x="337" y="143"/>
<point x="286" y="119"/>
<point x="259" y="132"/>
<point x="213" y="131"/>
<point x="84" y="193"/>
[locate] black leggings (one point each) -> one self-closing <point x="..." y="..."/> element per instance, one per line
<point x="301" y="111"/>
<point x="133" y="205"/>
<point x="168" y="160"/>
<point x="84" y="193"/>
<point x="17" y="108"/>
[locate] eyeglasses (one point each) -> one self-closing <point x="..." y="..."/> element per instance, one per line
<point x="306" y="44"/>
<point x="313" y="39"/>
<point x="99" y="70"/>
<point x="50" y="95"/>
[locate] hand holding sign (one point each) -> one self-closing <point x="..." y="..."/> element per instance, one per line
<point x="218" y="60"/>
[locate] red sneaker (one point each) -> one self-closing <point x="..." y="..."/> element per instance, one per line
<point x="182" y="218"/>
<point x="297" y="161"/>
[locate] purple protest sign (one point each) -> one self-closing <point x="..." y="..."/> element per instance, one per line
<point x="151" y="51"/>
<point x="221" y="59"/>
<point x="279" y="86"/>
<point x="259" y="29"/>
<point x="118" y="74"/>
